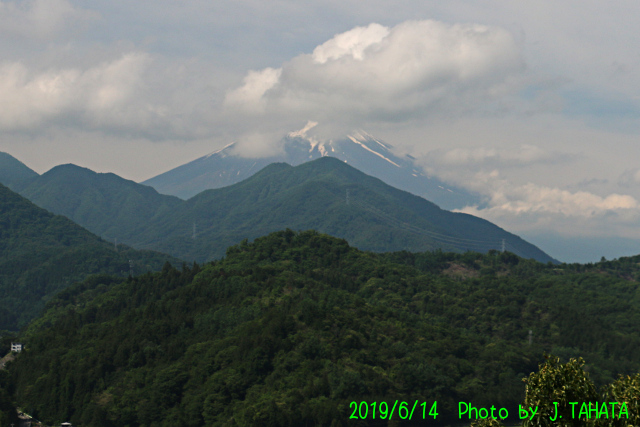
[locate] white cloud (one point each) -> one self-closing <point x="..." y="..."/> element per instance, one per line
<point x="480" y="168"/>
<point x="250" y="96"/>
<point x="351" y="43"/>
<point x="534" y="198"/>
<point x="101" y="95"/>
<point x="536" y="208"/>
<point x="256" y="145"/>
<point x="415" y="69"/>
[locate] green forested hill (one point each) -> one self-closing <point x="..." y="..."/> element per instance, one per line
<point x="103" y="203"/>
<point x="332" y="197"/>
<point x="42" y="253"/>
<point x="326" y="195"/>
<point x="289" y="329"/>
<point x="13" y="171"/>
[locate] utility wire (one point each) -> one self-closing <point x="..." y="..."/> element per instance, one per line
<point x="457" y="242"/>
<point x="432" y="233"/>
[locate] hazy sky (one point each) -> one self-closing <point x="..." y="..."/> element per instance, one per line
<point x="535" y="105"/>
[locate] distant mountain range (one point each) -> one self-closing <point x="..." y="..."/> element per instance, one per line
<point x="104" y="203"/>
<point x="326" y="194"/>
<point x="42" y="253"/>
<point x="330" y="196"/>
<point x="360" y="150"/>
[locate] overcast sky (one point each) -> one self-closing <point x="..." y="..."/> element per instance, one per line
<point x="535" y="105"/>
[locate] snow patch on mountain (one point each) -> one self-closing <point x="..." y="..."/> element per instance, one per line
<point x="372" y="151"/>
<point x="219" y="151"/>
<point x="225" y="166"/>
<point x="303" y="132"/>
<point x="323" y="150"/>
<point x="363" y="137"/>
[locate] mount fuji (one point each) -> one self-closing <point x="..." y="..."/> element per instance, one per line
<point x="358" y="149"/>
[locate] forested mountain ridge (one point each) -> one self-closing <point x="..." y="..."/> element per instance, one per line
<point x="326" y="194"/>
<point x="291" y="328"/>
<point x="42" y="253"/>
<point x="360" y="150"/>
<point x="104" y="203"/>
<point x="13" y="171"/>
<point x="329" y="196"/>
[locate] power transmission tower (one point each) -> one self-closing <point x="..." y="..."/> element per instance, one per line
<point x="193" y="236"/>
<point x="115" y="243"/>
<point x="347" y="197"/>
<point x="503" y="245"/>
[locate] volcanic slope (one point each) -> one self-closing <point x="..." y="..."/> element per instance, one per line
<point x="42" y="253"/>
<point x="329" y="196"/>
<point x="361" y="150"/>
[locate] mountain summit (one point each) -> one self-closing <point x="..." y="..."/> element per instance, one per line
<point x="359" y="149"/>
<point x="327" y="195"/>
<point x="104" y="203"/>
<point x="13" y="171"/>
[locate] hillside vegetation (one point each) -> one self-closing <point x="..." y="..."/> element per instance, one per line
<point x="13" y="171"/>
<point x="290" y="329"/>
<point x="42" y="253"/>
<point x="104" y="203"/>
<point x="360" y="150"/>
<point x="325" y="195"/>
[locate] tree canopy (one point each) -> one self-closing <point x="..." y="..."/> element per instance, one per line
<point x="293" y="327"/>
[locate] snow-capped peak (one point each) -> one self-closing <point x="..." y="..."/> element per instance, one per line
<point x="303" y="132"/>
<point x="363" y="136"/>
<point x="218" y="151"/>
<point x="323" y="150"/>
<point x="372" y="151"/>
<point x="224" y="167"/>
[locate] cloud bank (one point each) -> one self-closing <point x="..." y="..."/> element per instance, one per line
<point x="101" y="96"/>
<point x="533" y="207"/>
<point x="416" y="69"/>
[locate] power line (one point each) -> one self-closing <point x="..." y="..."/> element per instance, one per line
<point x="433" y="233"/>
<point x="401" y="224"/>
<point x="459" y="243"/>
